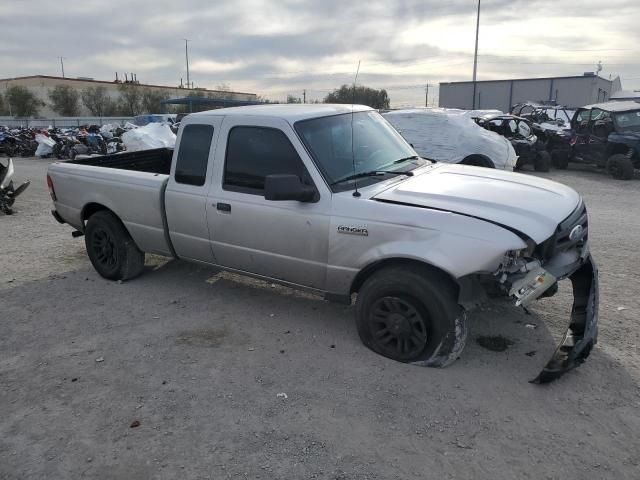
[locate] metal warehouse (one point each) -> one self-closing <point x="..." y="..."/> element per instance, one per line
<point x="574" y="91"/>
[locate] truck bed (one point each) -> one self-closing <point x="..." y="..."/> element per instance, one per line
<point x="131" y="185"/>
<point x="157" y="160"/>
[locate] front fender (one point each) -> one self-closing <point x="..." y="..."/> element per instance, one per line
<point x="456" y="244"/>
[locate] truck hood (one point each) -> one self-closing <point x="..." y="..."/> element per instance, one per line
<point x="528" y="204"/>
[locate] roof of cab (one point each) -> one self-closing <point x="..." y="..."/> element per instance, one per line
<point x="623" y="106"/>
<point x="290" y="112"/>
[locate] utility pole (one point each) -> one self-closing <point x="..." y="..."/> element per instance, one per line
<point x="304" y="96"/>
<point x="475" y="57"/>
<point x="62" y="65"/>
<point x="186" y="54"/>
<point x="426" y="95"/>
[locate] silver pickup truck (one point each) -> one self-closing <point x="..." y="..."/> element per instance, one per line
<point x="330" y="198"/>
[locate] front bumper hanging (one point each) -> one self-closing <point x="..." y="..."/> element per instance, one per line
<point x="582" y="333"/>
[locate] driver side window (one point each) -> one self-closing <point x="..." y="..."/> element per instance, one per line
<point x="255" y="152"/>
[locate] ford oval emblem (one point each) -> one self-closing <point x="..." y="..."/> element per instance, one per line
<point x="576" y="233"/>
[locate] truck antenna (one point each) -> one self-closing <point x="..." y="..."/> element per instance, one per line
<point x="356" y="193"/>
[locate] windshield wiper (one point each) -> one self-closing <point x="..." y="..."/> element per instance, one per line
<point x="372" y="173"/>
<point x="406" y="159"/>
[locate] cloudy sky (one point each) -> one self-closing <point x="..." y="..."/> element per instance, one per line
<point x="275" y="48"/>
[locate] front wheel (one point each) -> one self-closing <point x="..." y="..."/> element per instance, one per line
<point x="620" y="167"/>
<point x="112" y="251"/>
<point x="410" y="314"/>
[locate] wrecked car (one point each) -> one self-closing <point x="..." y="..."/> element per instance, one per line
<point x="332" y="199"/>
<point x="608" y="135"/>
<point x="450" y="135"/>
<point x="518" y="131"/>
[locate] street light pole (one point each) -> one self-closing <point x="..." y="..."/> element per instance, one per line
<point x="186" y="54"/>
<point x="62" y="65"/>
<point x="475" y="57"/>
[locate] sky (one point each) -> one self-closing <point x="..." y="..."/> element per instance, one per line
<point x="276" y="48"/>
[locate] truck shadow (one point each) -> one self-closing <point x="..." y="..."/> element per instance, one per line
<point x="191" y="306"/>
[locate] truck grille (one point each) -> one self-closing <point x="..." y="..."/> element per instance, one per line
<point x="561" y="240"/>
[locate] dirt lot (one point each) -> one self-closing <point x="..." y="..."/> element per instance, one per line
<point x="199" y="360"/>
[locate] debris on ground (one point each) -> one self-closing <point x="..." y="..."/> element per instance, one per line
<point x="282" y="395"/>
<point x="135" y="424"/>
<point x="99" y="359"/>
<point x="496" y="343"/>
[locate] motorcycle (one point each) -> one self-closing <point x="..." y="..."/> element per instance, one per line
<point x="8" y="193"/>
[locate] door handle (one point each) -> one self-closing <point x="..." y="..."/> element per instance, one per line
<point x="223" y="207"/>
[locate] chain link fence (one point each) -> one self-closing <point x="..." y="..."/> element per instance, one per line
<point x="61" y="121"/>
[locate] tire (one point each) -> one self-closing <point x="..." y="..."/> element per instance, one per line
<point x="542" y="163"/>
<point x="560" y="159"/>
<point x="112" y="251"/>
<point x="410" y="314"/>
<point x="620" y="167"/>
<point x="478" y="161"/>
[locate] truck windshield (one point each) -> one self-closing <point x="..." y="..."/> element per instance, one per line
<point x="628" y="121"/>
<point x="374" y="146"/>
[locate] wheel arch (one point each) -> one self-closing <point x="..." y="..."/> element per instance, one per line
<point x="378" y="265"/>
<point x="478" y="160"/>
<point x="94" y="207"/>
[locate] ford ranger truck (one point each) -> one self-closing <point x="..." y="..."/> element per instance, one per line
<point x="331" y="199"/>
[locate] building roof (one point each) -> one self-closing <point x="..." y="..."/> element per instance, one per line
<point x="621" y="106"/>
<point x="291" y="112"/>
<point x="527" y="79"/>
<point x="106" y="82"/>
<point x="213" y="102"/>
<point x="625" y="95"/>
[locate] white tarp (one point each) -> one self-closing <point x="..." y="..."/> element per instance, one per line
<point x="450" y="135"/>
<point x="45" y="145"/>
<point x="153" y="135"/>
<point x="107" y="130"/>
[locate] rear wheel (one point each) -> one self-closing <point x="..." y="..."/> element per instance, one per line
<point x="542" y="163"/>
<point x="560" y="159"/>
<point x="112" y="251"/>
<point x="620" y="167"/>
<point x="410" y="314"/>
<point x="477" y="161"/>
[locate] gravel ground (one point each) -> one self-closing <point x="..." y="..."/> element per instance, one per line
<point x="199" y="361"/>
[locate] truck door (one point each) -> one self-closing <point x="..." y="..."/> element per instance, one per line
<point x="186" y="194"/>
<point x="284" y="240"/>
<point x="601" y="127"/>
<point x="581" y="127"/>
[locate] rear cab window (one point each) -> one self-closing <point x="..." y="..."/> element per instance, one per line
<point x="193" y="154"/>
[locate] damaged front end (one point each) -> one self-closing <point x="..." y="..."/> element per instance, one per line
<point x="534" y="272"/>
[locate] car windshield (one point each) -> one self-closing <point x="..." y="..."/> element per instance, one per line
<point x="374" y="146"/>
<point x="628" y="121"/>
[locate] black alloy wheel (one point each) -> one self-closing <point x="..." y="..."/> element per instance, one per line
<point x="398" y="328"/>
<point x="104" y="248"/>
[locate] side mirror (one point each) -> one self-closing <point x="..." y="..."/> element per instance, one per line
<point x="287" y="187"/>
